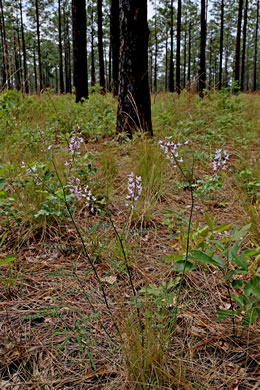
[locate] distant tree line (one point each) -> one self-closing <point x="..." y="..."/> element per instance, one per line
<point x="193" y="44"/>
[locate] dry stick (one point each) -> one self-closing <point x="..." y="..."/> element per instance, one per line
<point x="86" y="252"/>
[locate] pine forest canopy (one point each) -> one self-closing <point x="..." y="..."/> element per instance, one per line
<point x="185" y="49"/>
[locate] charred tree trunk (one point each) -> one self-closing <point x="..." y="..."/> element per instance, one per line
<point x="184" y="58"/>
<point x="100" y="45"/>
<point x="256" y="43"/>
<point x="115" y="43"/>
<point x="189" y="55"/>
<point x="134" y="104"/>
<point x="26" y="86"/>
<point x="6" y="70"/>
<point x="155" y="52"/>
<point x="93" y="71"/>
<point x="203" y="36"/>
<point x="60" y="51"/>
<point x="244" y="48"/>
<point x="38" y="42"/>
<point x="67" y="54"/>
<point x="238" y="40"/>
<point x="221" y="44"/>
<point x="178" y="51"/>
<point x="79" y="27"/>
<point x="166" y="62"/>
<point x="171" y="72"/>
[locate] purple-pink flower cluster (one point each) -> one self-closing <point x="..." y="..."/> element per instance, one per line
<point x="74" y="147"/>
<point x="171" y="149"/>
<point x="134" y="189"/>
<point x="32" y="171"/>
<point x="220" y="160"/>
<point x="81" y="192"/>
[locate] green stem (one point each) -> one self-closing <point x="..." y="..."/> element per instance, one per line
<point x="86" y="251"/>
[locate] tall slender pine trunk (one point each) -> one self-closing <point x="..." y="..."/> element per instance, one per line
<point x="238" y="41"/>
<point x="256" y="43"/>
<point x="100" y="45"/>
<point x="221" y="44"/>
<point x="178" y="51"/>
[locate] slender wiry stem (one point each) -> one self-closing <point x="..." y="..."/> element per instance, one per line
<point x="86" y="251"/>
<point x="129" y="275"/>
<point x="175" y="311"/>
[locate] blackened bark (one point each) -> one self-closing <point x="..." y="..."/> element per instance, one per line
<point x="221" y="43"/>
<point x="17" y="64"/>
<point x="26" y="85"/>
<point x="189" y="55"/>
<point x="166" y="62"/>
<point x="171" y="72"/>
<point x="100" y="45"/>
<point x="34" y="70"/>
<point x="38" y="41"/>
<point x="184" y="57"/>
<point x="238" y="40"/>
<point x="134" y="104"/>
<point x="156" y="51"/>
<point x="79" y="26"/>
<point x="3" y="47"/>
<point x="67" y="54"/>
<point x="203" y="36"/>
<point x="244" y="48"/>
<point x="256" y="43"/>
<point x="60" y="51"/>
<point x="6" y="71"/>
<point x="178" y="52"/>
<point x="93" y="71"/>
<point x="115" y="43"/>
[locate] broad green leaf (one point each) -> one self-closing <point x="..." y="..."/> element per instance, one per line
<point x="7" y="260"/>
<point x="182" y="265"/>
<point x="237" y="283"/>
<point x="210" y="222"/>
<point x="222" y="228"/>
<point x="229" y="275"/>
<point x="240" y="260"/>
<point x="237" y="234"/>
<point x="202" y="257"/>
<point x="174" y="257"/>
<point x="240" y="299"/>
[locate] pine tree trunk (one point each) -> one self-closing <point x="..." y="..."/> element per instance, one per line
<point x="166" y="61"/>
<point x="238" y="40"/>
<point x="93" y="71"/>
<point x="6" y="70"/>
<point x="100" y="45"/>
<point x="221" y="44"/>
<point x="203" y="36"/>
<point x="178" y="52"/>
<point x="184" y="58"/>
<point x="60" y="51"/>
<point x="79" y="27"/>
<point x="155" y="52"/>
<point x="26" y="85"/>
<point x="134" y="104"/>
<point x="244" y="48"/>
<point x="189" y="55"/>
<point x="256" y="43"/>
<point x="115" y="43"/>
<point x="171" y="72"/>
<point x="3" y="51"/>
<point x="38" y="41"/>
<point x="35" y="70"/>
<point x="67" y="53"/>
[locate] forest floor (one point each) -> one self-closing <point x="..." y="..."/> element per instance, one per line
<point x="101" y="295"/>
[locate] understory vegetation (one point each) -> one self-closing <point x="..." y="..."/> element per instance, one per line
<point x="129" y="263"/>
